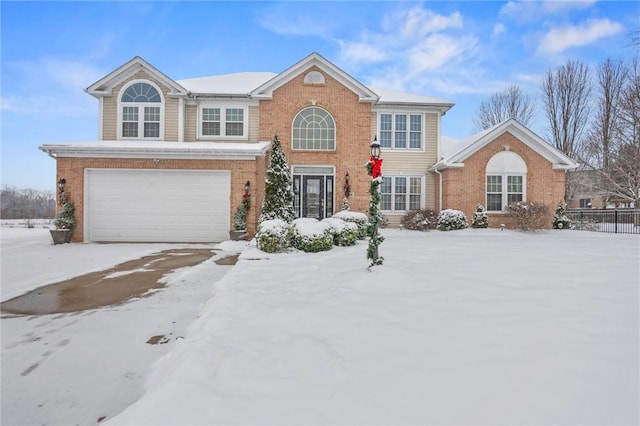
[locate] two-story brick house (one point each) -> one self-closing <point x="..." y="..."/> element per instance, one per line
<point x="173" y="156"/>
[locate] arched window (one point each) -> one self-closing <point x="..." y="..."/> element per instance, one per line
<point x="141" y="111"/>
<point x="314" y="128"/>
<point x="506" y="180"/>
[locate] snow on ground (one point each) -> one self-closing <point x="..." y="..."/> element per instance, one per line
<point x="77" y="368"/>
<point x="461" y="327"/>
<point x="479" y="326"/>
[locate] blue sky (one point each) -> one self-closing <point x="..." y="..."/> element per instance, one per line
<point x="459" y="51"/>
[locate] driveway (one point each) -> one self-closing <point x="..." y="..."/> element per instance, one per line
<point x="85" y="365"/>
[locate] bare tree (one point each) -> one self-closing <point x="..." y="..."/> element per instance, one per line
<point x="509" y="103"/>
<point x="26" y="203"/>
<point x="600" y="143"/>
<point x="625" y="162"/>
<point x="566" y="95"/>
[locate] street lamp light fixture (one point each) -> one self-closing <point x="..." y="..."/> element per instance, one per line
<point x="374" y="148"/>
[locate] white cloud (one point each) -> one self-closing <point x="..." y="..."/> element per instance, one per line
<point x="410" y="45"/>
<point x="498" y="30"/>
<point x="562" y="38"/>
<point x="361" y="52"/>
<point x="532" y="10"/>
<point x="438" y="50"/>
<point x="418" y="21"/>
<point x="47" y="81"/>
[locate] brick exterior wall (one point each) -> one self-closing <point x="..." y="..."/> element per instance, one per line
<point x="353" y="131"/>
<point x="464" y="188"/>
<point x="72" y="169"/>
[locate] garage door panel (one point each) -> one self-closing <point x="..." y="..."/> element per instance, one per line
<point x="157" y="205"/>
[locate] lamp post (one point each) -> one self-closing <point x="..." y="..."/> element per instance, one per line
<point x="374" y="169"/>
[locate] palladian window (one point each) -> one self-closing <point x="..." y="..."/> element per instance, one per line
<point x="140" y="112"/>
<point x="314" y="129"/>
<point x="506" y="180"/>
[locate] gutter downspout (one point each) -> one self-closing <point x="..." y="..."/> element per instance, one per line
<point x="439" y="189"/>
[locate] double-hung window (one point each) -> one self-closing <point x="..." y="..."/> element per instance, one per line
<point x="140" y="112"/>
<point x="506" y="180"/>
<point x="401" y="193"/>
<point x="401" y="130"/>
<point x="218" y="121"/>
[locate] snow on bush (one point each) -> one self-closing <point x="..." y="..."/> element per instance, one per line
<point x="273" y="236"/>
<point x="560" y="218"/>
<point x="360" y="219"/>
<point x="419" y="220"/>
<point x="529" y="216"/>
<point x="344" y="233"/>
<point x="480" y="218"/>
<point x="311" y="235"/>
<point x="450" y="220"/>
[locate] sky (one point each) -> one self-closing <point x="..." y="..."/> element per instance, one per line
<point x="460" y="51"/>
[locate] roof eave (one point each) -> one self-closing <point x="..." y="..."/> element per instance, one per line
<point x="188" y="153"/>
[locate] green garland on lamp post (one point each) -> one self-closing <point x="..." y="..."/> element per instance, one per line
<point x="374" y="170"/>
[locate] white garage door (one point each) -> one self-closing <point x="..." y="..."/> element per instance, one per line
<point x="157" y="205"/>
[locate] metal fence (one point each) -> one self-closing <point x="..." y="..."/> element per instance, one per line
<point x="624" y="221"/>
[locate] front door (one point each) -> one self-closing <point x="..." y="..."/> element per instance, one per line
<point x="313" y="198"/>
<point x="313" y="193"/>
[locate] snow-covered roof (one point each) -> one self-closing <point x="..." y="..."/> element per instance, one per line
<point x="265" y="91"/>
<point x="454" y="152"/>
<point x="159" y="150"/>
<point x="388" y="96"/>
<point x="241" y="83"/>
<point x="105" y="84"/>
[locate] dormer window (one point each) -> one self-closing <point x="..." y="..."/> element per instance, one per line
<point x="141" y="111"/>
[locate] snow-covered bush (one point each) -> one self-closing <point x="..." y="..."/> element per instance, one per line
<point x="450" y="220"/>
<point x="560" y="218"/>
<point x="419" y="220"/>
<point x="273" y="236"/>
<point x="360" y="219"/>
<point x="529" y="216"/>
<point x="65" y="219"/>
<point x="278" y="189"/>
<point x="480" y="218"/>
<point x="344" y="233"/>
<point x="240" y="218"/>
<point x="311" y="235"/>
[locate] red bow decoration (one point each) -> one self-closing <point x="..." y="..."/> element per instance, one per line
<point x="376" y="167"/>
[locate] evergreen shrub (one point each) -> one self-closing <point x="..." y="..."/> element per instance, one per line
<point x="310" y="235"/>
<point x="560" y="218"/>
<point x="451" y="220"/>
<point x="273" y="236"/>
<point x="65" y="219"/>
<point x="480" y="218"/>
<point x="344" y="233"/>
<point x="240" y="218"/>
<point x="419" y="220"/>
<point x="360" y="219"/>
<point x="529" y="216"/>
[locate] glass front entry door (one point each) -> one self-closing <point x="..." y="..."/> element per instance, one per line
<point x="313" y="196"/>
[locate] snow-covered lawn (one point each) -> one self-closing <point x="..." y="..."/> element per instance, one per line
<point x="478" y="326"/>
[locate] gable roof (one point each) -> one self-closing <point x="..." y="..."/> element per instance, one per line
<point x="240" y="84"/>
<point x="395" y="97"/>
<point x="470" y="146"/>
<point x="265" y="91"/>
<point x="105" y="84"/>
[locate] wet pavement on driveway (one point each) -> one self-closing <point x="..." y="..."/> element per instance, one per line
<point x="104" y="288"/>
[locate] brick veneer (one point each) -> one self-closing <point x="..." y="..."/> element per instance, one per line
<point x="72" y="169"/>
<point x="353" y="131"/>
<point x="464" y="188"/>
